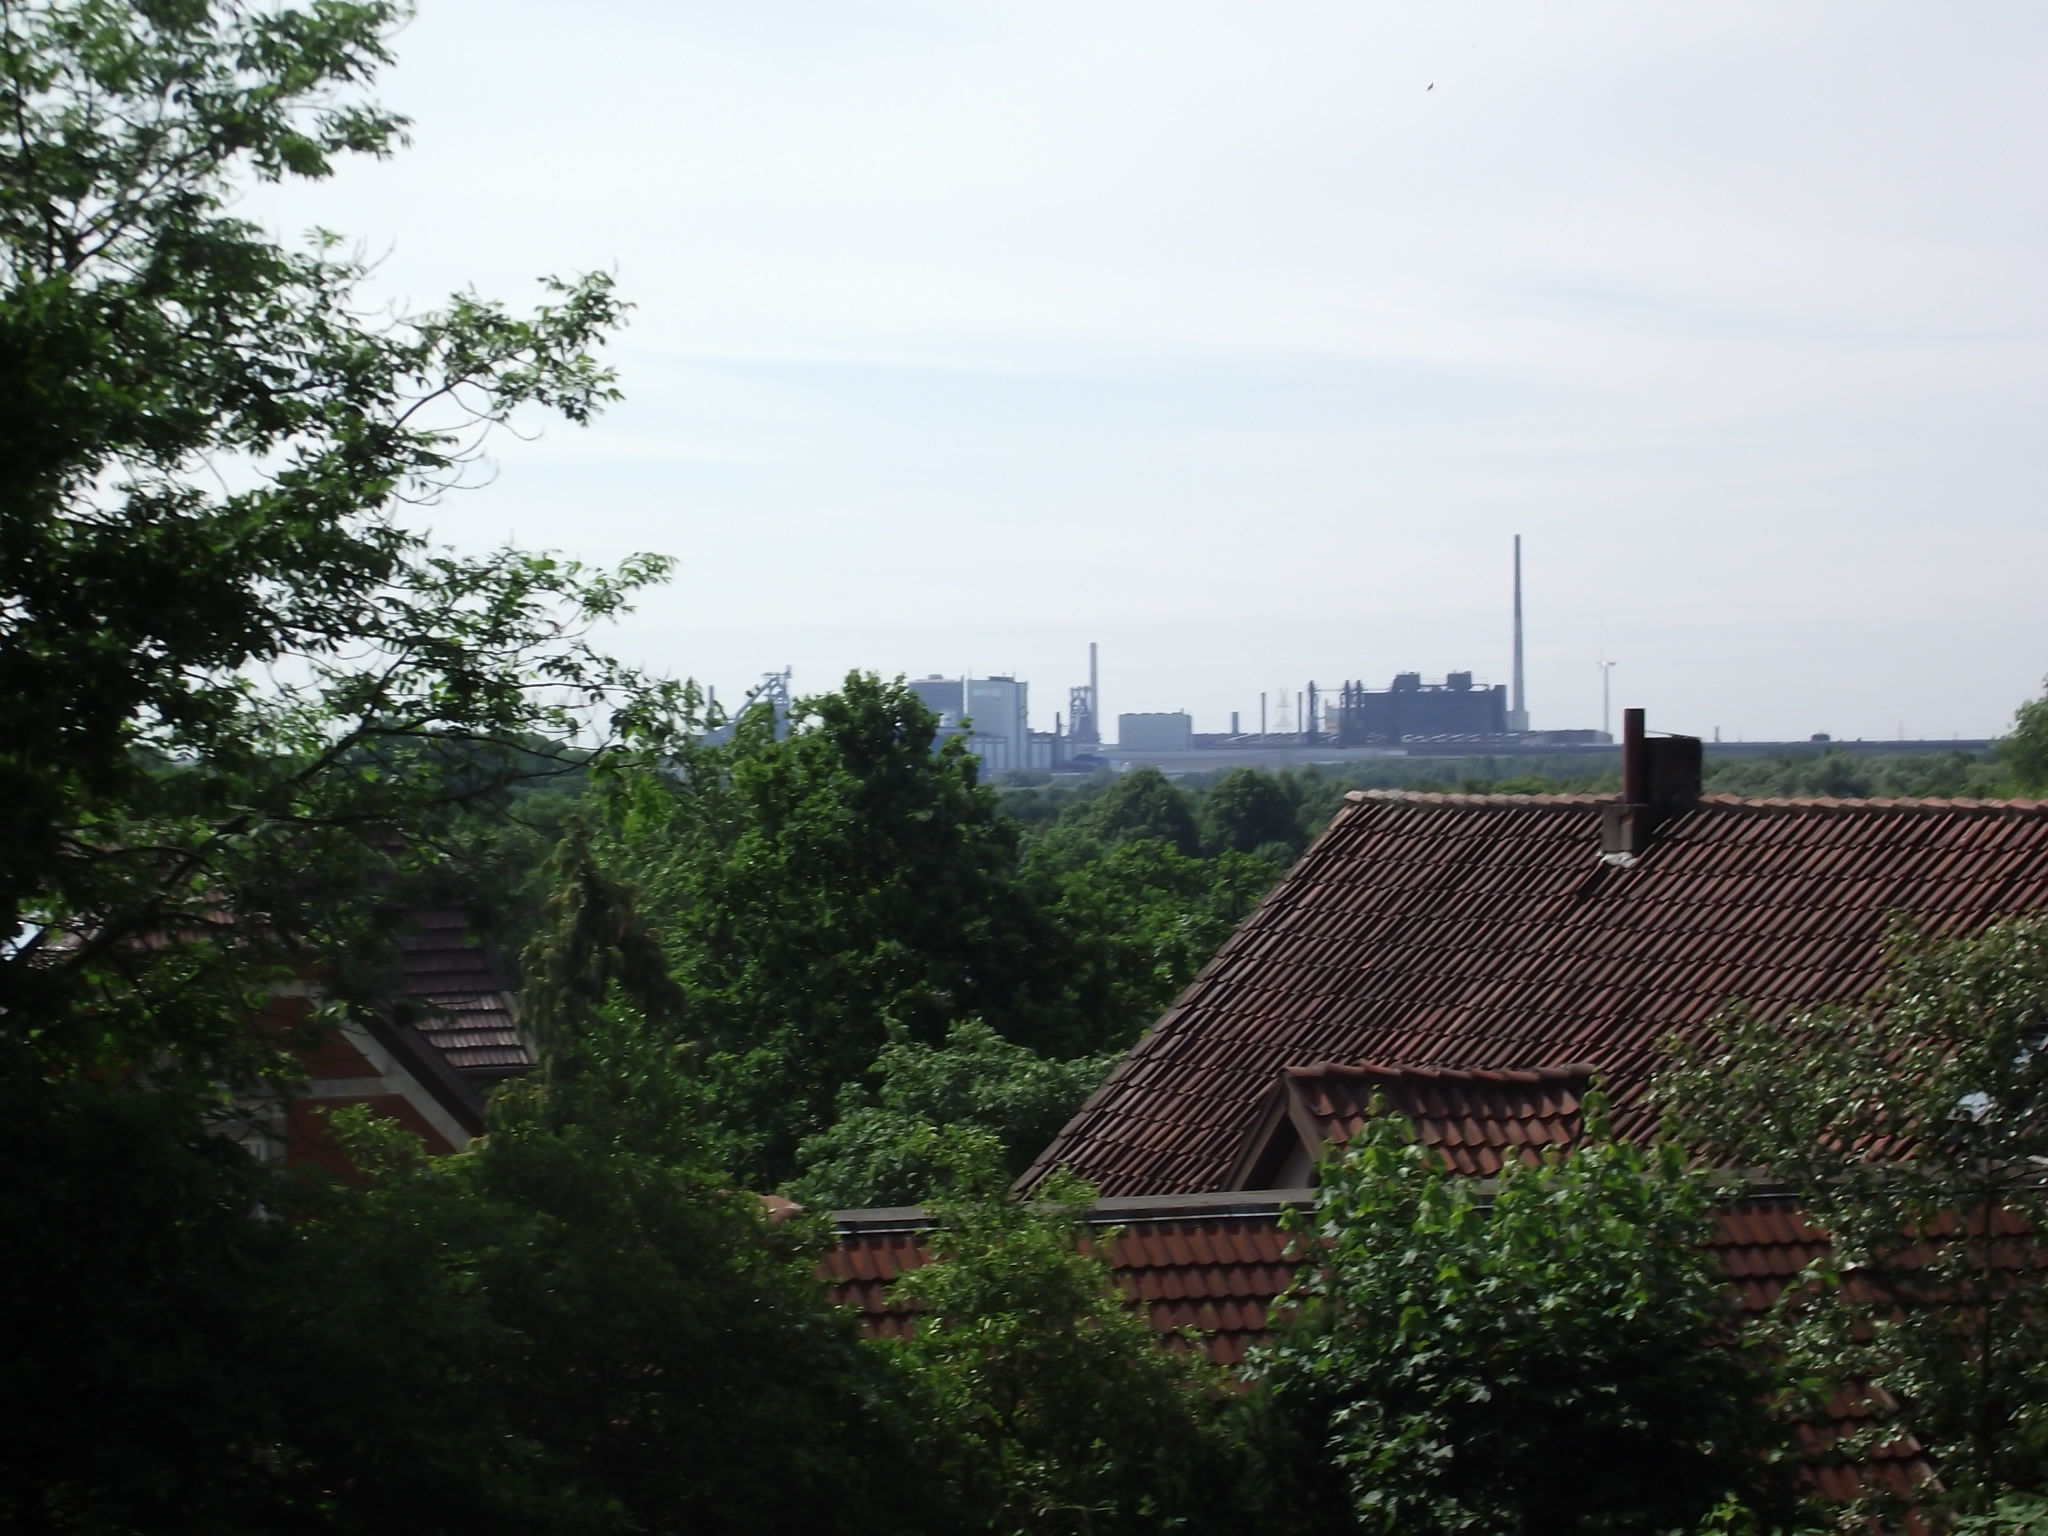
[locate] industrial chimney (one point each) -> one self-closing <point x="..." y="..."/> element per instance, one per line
<point x="1083" y="714"/>
<point x="1518" y="706"/>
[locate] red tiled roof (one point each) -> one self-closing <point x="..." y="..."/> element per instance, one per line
<point x="1472" y="1117"/>
<point x="1219" y="1265"/>
<point x="459" y="999"/>
<point x="1485" y="932"/>
<point x="1215" y="1267"/>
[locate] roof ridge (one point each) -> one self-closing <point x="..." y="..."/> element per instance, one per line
<point x="1426" y="1071"/>
<point x="1452" y="797"/>
<point x="1733" y="802"/>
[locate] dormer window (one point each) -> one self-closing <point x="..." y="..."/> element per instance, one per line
<point x="1476" y="1119"/>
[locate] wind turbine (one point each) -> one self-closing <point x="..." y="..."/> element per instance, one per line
<point x="1606" y="697"/>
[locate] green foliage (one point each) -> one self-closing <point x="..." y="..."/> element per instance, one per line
<point x="1144" y="804"/>
<point x="620" y="1320"/>
<point x="1048" y="1405"/>
<point x="888" y="1146"/>
<point x="1138" y="919"/>
<point x="1902" y="1123"/>
<point x="1838" y="770"/>
<point x="2025" y="751"/>
<point x="1856" y="775"/>
<point x="572" y="1327"/>
<point x="1246" y="810"/>
<point x="817" y="893"/>
<point x="132" y="1277"/>
<point x="597" y="947"/>
<point x="2013" y="1515"/>
<point x="252" y="721"/>
<point x="1553" y="1354"/>
<point x="234" y="683"/>
<point x="855" y="884"/>
<point x="1035" y="807"/>
<point x="1316" y="791"/>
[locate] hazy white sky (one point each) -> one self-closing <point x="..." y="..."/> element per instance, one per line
<point x="1242" y="337"/>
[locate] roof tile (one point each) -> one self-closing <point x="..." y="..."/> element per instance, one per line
<point x="458" y="997"/>
<point x="1481" y="933"/>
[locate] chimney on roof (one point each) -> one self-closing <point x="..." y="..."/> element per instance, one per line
<point x="1660" y="778"/>
<point x="1634" y="780"/>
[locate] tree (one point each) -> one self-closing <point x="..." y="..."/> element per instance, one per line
<point x="668" y="1358"/>
<point x="855" y="884"/>
<point x="1247" y="810"/>
<point x="888" y="1145"/>
<point x="236" y="683"/>
<point x="2025" y="751"/>
<point x="1554" y="1354"/>
<point x="1913" y="1127"/>
<point x="1144" y="803"/>
<point x="134" y="1281"/>
<point x="599" y="949"/>
<point x="819" y="892"/>
<point x="250" y="712"/>
<point x="1048" y="1405"/>
<point x="1137" y="920"/>
<point x="576" y="1325"/>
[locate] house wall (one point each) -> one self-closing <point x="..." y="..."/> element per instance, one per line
<point x="349" y="1065"/>
<point x="352" y="1067"/>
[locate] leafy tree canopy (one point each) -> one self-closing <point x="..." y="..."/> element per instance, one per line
<point x="854" y="887"/>
<point x="2025" y="750"/>
<point x="1246" y="810"/>
<point x="1551" y="1355"/>
<point x="1144" y="803"/>
<point x="1894" y="1121"/>
<point x="889" y="1146"/>
<point x="596" y="948"/>
<point x="235" y="682"/>
<point x="820" y="892"/>
<point x="583" y="1327"/>
<point x="1047" y="1404"/>
<point x="1137" y="920"/>
<point x="252" y="715"/>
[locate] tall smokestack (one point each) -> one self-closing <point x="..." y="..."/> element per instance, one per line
<point x="1094" y="694"/>
<point x="1518" y="706"/>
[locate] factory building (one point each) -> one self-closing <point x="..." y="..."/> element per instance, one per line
<point x="1412" y="709"/>
<point x="995" y="714"/>
<point x="999" y="715"/>
<point x="945" y="697"/>
<point x="1173" y="732"/>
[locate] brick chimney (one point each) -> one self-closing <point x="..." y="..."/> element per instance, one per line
<point x="1660" y="778"/>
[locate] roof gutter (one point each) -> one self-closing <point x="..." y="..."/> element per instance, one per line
<point x="1120" y="1211"/>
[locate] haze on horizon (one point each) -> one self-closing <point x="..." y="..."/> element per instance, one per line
<point x="1242" y="338"/>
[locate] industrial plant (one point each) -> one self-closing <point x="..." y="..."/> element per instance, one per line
<point x="1352" y="719"/>
<point x="1453" y="713"/>
<point x="995" y="715"/>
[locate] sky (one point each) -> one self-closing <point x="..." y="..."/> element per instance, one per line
<point x="1243" y="338"/>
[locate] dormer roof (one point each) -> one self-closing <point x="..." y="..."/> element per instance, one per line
<point x="1473" y="1118"/>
